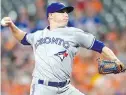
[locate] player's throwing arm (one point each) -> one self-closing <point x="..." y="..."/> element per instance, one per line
<point x="18" y="34"/>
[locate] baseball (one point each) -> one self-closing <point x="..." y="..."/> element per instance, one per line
<point x="3" y="22"/>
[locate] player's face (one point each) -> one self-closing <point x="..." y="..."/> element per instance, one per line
<point x="60" y="17"/>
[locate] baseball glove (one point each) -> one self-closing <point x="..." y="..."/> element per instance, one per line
<point x="109" y="67"/>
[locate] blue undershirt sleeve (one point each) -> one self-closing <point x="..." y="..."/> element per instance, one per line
<point x="24" y="41"/>
<point x="98" y="46"/>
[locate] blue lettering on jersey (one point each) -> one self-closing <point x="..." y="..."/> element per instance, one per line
<point x="54" y="40"/>
<point x="48" y="40"/>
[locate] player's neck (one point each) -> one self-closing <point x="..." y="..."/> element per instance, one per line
<point x="54" y="26"/>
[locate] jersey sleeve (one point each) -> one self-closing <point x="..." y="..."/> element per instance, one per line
<point x="84" y="39"/>
<point x="28" y="39"/>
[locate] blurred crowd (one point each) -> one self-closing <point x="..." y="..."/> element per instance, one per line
<point x="93" y="16"/>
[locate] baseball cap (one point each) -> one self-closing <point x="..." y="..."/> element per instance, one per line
<point x="55" y="7"/>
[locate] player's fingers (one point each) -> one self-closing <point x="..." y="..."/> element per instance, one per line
<point x="7" y="18"/>
<point x="6" y="21"/>
<point x="120" y="68"/>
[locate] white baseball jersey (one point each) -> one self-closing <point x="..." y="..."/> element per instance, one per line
<point x="54" y="51"/>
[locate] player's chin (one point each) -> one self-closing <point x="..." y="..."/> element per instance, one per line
<point x="64" y="23"/>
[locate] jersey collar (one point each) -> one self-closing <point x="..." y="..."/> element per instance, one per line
<point x="48" y="27"/>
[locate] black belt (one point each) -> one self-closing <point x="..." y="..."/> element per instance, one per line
<point x="55" y="84"/>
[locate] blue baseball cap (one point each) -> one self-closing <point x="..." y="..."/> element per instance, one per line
<point x="55" y="7"/>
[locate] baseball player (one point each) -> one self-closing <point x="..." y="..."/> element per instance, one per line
<point x="54" y="49"/>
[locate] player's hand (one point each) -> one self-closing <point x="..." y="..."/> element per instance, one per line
<point x="110" y="66"/>
<point x="6" y="21"/>
<point x="121" y="66"/>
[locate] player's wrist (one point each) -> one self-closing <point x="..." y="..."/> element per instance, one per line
<point x="117" y="61"/>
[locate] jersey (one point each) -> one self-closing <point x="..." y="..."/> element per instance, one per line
<point x="54" y="51"/>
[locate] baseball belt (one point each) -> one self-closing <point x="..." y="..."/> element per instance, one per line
<point x="55" y="84"/>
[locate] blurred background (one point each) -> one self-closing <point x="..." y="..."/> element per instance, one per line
<point x="106" y="19"/>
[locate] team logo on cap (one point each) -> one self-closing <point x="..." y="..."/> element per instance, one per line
<point x="61" y="54"/>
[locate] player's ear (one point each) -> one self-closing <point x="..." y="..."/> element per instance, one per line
<point x="50" y="16"/>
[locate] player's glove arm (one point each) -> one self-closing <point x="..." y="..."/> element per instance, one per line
<point x="109" y="54"/>
<point x="100" y="47"/>
<point x="114" y="65"/>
